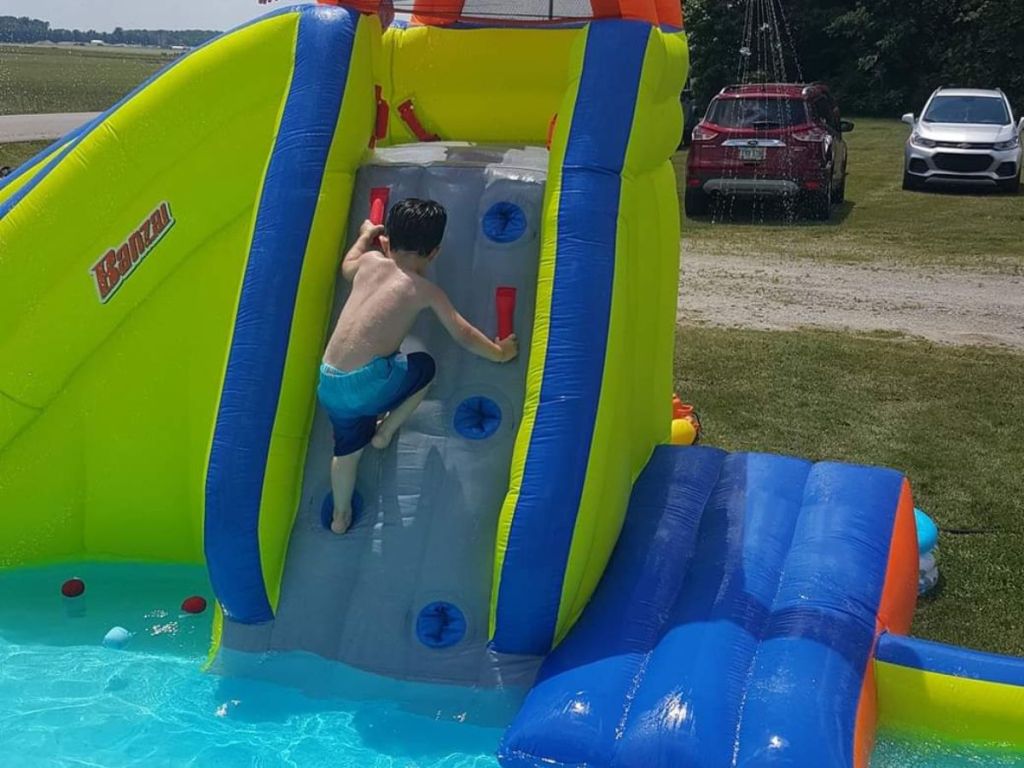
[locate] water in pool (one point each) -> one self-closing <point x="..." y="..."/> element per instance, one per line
<point x="896" y="750"/>
<point x="65" y="700"/>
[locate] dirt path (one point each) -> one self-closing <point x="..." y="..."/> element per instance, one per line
<point x="775" y="293"/>
<point x="40" y="127"/>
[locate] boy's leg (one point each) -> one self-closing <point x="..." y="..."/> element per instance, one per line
<point x="389" y="426"/>
<point x="418" y="376"/>
<point x="343" y="485"/>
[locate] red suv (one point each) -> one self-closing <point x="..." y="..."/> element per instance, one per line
<point x="775" y="139"/>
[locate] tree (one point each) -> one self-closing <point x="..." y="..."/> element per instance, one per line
<point x="24" y="30"/>
<point x="880" y="57"/>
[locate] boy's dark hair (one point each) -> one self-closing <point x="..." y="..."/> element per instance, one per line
<point x="416" y="225"/>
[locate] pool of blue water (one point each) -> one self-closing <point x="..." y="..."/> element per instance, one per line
<point x="66" y="700"/>
<point x="895" y="750"/>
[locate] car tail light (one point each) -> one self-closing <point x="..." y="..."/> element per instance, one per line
<point x="700" y="133"/>
<point x="813" y="136"/>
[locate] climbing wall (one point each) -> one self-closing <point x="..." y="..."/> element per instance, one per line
<point x="406" y="592"/>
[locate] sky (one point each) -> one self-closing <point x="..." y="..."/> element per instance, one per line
<point x="104" y="15"/>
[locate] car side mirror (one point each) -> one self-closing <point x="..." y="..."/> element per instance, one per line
<point x="845" y="126"/>
<point x="908" y="119"/>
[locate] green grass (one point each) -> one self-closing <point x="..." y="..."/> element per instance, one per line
<point x="948" y="417"/>
<point x="16" y="154"/>
<point x="879" y="222"/>
<point x="38" y="79"/>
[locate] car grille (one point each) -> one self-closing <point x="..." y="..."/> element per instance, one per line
<point x="964" y="145"/>
<point x="962" y="163"/>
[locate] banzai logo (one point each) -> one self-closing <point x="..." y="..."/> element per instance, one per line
<point x="118" y="263"/>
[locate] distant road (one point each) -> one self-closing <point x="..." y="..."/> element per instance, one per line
<point x="40" y="127"/>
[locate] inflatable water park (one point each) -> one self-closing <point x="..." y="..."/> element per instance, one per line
<point x="168" y="276"/>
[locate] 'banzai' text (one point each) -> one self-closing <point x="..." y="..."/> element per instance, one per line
<point x="114" y="267"/>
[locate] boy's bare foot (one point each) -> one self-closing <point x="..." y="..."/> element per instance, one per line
<point x="341" y="523"/>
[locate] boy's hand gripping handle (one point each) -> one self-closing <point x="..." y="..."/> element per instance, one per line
<point x="505" y="301"/>
<point x="379" y="207"/>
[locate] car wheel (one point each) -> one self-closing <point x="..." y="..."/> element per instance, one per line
<point x="910" y="183"/>
<point x="1010" y="186"/>
<point x="839" y="196"/>
<point x="695" y="202"/>
<point x="819" y="204"/>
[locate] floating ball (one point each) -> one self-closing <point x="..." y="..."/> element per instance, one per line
<point x="116" y="637"/>
<point x="927" y="532"/>
<point x="683" y="432"/>
<point x="73" y="588"/>
<point x="194" y="604"/>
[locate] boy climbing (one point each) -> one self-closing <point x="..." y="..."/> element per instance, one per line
<point x="363" y="374"/>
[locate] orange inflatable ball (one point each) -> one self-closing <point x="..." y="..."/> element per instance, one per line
<point x="73" y="588"/>
<point x="683" y="432"/>
<point x="194" y="604"/>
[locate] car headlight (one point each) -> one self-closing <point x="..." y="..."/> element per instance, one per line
<point x="917" y="140"/>
<point x="1011" y="144"/>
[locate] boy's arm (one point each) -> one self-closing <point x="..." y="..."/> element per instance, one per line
<point x="368" y="232"/>
<point x="465" y="334"/>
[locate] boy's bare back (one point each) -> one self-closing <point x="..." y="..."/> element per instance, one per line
<point x="388" y="292"/>
<point x="379" y="313"/>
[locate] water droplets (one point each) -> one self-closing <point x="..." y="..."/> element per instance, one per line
<point x="170" y="628"/>
<point x="766" y="54"/>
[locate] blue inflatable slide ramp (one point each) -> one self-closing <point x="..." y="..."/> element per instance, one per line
<point x="735" y="625"/>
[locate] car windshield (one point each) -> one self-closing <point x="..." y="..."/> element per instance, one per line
<point x="984" y="110"/>
<point x="757" y="112"/>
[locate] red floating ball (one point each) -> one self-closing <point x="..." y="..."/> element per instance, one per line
<point x="73" y="588"/>
<point x="194" y="604"/>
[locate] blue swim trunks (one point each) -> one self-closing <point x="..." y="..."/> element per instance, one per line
<point x="355" y="399"/>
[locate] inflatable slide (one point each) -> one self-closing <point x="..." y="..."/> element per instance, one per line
<point x="169" y="272"/>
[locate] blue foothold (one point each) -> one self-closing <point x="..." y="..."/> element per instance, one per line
<point x="440" y="625"/>
<point x="927" y="532"/>
<point x="327" y="509"/>
<point x="477" y="418"/>
<point x="504" y="222"/>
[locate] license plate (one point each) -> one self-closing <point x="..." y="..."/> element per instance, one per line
<point x="752" y="153"/>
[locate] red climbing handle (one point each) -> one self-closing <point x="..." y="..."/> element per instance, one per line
<point x="379" y="203"/>
<point x="505" y="300"/>
<point x="407" y="112"/>
<point x="378" y="207"/>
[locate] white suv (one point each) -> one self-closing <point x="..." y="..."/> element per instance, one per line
<point x="964" y="136"/>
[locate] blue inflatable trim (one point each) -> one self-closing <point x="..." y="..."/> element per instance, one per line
<point x="950" y="660"/>
<point x="504" y="222"/>
<point x="477" y="418"/>
<point x="440" y="625"/>
<point x="327" y="509"/>
<point x="533" y="572"/>
<point x="263" y="322"/>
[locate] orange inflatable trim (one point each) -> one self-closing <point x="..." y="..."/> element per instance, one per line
<point x="665" y="13"/>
